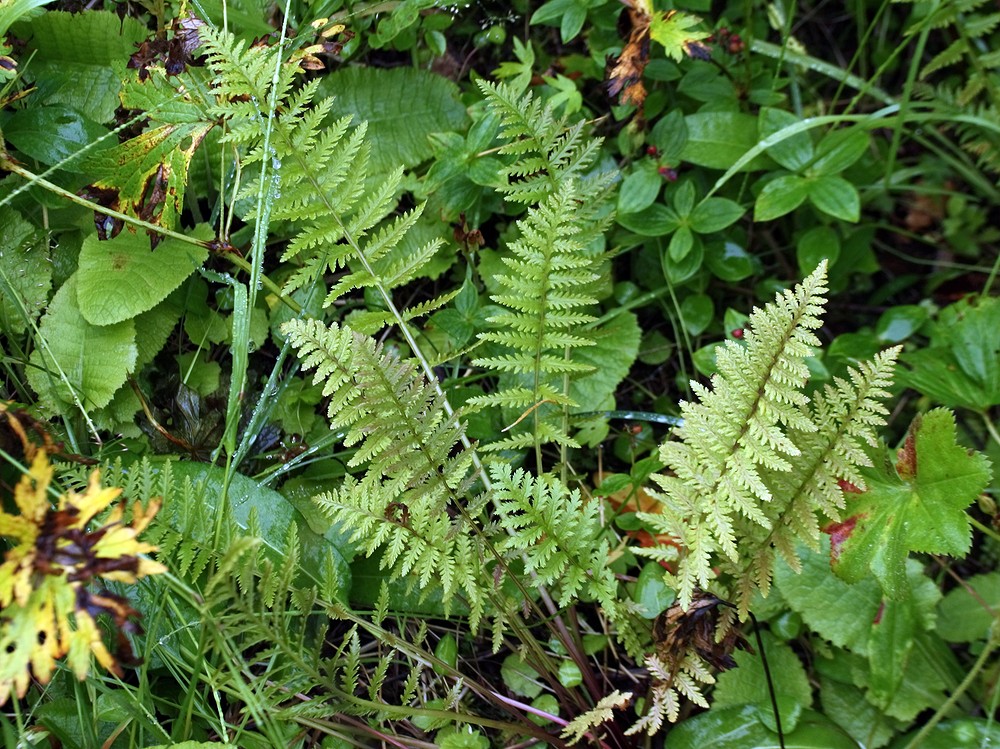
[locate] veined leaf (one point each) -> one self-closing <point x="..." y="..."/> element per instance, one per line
<point x="76" y="58"/>
<point x="961" y="367"/>
<point x="275" y="516"/>
<point x="675" y="32"/>
<point x="155" y="163"/>
<point x="398" y="121"/>
<point x="25" y="272"/>
<point x="718" y="139"/>
<point x="121" y="278"/>
<point x="918" y="505"/>
<point x="94" y="360"/>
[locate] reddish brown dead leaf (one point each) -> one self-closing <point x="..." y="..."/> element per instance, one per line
<point x="676" y="632"/>
<point x="624" y="74"/>
<point x="906" y="458"/>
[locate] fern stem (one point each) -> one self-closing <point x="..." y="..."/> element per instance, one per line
<point x="415" y="349"/>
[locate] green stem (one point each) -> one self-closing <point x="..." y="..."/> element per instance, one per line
<point x="988" y="423"/>
<point x="978" y="666"/>
<point x="9" y="165"/>
<point x="904" y="105"/>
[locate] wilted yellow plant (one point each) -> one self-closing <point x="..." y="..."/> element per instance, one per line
<point x="47" y="610"/>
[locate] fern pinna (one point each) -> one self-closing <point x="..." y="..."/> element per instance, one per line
<point x="413" y="476"/>
<point x="758" y="462"/>
<point x="549" y="285"/>
<point x="321" y="182"/>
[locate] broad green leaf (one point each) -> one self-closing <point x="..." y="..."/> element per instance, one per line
<point x="961" y="367"/>
<point x="572" y="22"/>
<point x="747" y="684"/>
<point x="404" y="15"/>
<point x="917" y="505"/>
<point x="741" y="728"/>
<point x="681" y="244"/>
<point x="669" y="135"/>
<point x="900" y="322"/>
<point x="655" y="221"/>
<point x="932" y="673"/>
<point x="964" y="616"/>
<point x="552" y="11"/>
<point x="447" y="651"/>
<point x="94" y="360"/>
<point x="651" y="592"/>
<point x="718" y="139"/>
<point x="25" y="272"/>
<point x="14" y="10"/>
<point x="519" y="677"/>
<point x="152" y="328"/>
<point x="155" y="164"/>
<point x="684" y="198"/>
<point x="730" y="262"/>
<point x="781" y="195"/>
<point x="674" y="30"/>
<point x="838" y="150"/>
<point x="616" y="347"/>
<point x="714" y="214"/>
<point x="275" y="515"/>
<point x="845" y="703"/>
<point x="889" y="647"/>
<point x="679" y="271"/>
<point x="833" y="609"/>
<point x="792" y="152"/>
<point x="697" y="312"/>
<point x="76" y="54"/>
<point x="836" y="197"/>
<point x="570" y="674"/>
<point x="816" y="244"/>
<point x="399" y="121"/>
<point x="639" y="189"/>
<point x="50" y="134"/>
<point x="121" y="277"/>
<point x="198" y="373"/>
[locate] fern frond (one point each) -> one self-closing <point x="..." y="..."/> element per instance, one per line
<point x="549" y="152"/>
<point x="846" y="415"/>
<point x="555" y="532"/>
<point x="735" y="431"/>
<point x="320" y="169"/>
<point x="414" y="470"/>
<point x="669" y="685"/>
<point x="759" y="464"/>
<point x="547" y="289"/>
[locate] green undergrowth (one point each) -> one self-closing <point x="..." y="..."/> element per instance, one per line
<point x="509" y="375"/>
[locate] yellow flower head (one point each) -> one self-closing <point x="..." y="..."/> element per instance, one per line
<point x="46" y="608"/>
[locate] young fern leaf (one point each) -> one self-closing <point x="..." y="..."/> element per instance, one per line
<point x="758" y="463"/>
<point x="546" y="291"/>
<point x="550" y="280"/>
<point x="734" y="431"/>
<point x="321" y="173"/>
<point x="557" y="534"/>
<point x="414" y="470"/>
<point x="845" y="415"/>
<point x="548" y="151"/>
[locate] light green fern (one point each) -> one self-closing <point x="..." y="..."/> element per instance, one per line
<point x="321" y="182"/>
<point x="415" y="477"/>
<point x="757" y="463"/>
<point x="548" y="289"/>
